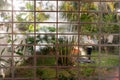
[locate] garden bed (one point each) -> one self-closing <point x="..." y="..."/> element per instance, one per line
<point x="87" y="71"/>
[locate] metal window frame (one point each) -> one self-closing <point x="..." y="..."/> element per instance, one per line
<point x="57" y="67"/>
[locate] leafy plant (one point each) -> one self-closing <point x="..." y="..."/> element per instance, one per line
<point x="64" y="52"/>
<point x="2" y="51"/>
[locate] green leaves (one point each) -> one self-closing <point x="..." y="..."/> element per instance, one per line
<point x="20" y="50"/>
<point x="31" y="27"/>
<point x="2" y="51"/>
<point x="30" y="6"/>
<point x="91" y="17"/>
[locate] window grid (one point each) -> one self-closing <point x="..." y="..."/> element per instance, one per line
<point x="34" y="67"/>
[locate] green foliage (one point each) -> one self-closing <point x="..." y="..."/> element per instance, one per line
<point x="90" y="17"/>
<point x="20" y="50"/>
<point x="83" y="17"/>
<point x="111" y="60"/>
<point x="41" y="39"/>
<point x="2" y="51"/>
<point x="51" y="29"/>
<point x="23" y="72"/>
<point x="46" y="50"/>
<point x="46" y="61"/>
<point x="108" y="17"/>
<point x="109" y="28"/>
<point x="69" y="6"/>
<point x="64" y="73"/>
<point x="64" y="51"/>
<point x="41" y="16"/>
<point x="19" y="17"/>
<point x="46" y="38"/>
<point x="86" y="70"/>
<point x="31" y="27"/>
<point x="47" y="73"/>
<point x="88" y="6"/>
<point x="23" y="17"/>
<point x="30" y="40"/>
<point x="30" y="6"/>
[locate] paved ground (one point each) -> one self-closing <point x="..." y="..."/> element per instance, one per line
<point x="114" y="73"/>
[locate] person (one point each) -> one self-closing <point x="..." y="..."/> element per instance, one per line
<point x="89" y="47"/>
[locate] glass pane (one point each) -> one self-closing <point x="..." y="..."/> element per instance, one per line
<point x="68" y="5"/>
<point x="63" y="40"/>
<point x="67" y="28"/>
<point x="23" y="16"/>
<point x="68" y="17"/>
<point x="46" y="16"/>
<point x="23" y="5"/>
<point x="5" y="16"/>
<point x="90" y="6"/>
<point x="46" y="5"/>
<point x="24" y="28"/>
<point x="6" y="5"/>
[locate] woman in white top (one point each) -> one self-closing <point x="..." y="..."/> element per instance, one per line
<point x="89" y="48"/>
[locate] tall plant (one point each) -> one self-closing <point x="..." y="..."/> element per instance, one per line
<point x="89" y="17"/>
<point x="23" y="17"/>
